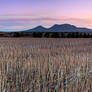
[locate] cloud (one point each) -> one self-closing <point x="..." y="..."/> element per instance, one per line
<point x="15" y="23"/>
<point x="27" y="22"/>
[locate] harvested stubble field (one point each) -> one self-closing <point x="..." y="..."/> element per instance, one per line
<point x="45" y="65"/>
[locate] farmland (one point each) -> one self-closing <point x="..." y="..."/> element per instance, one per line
<point x="45" y="65"/>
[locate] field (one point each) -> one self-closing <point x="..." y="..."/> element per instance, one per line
<point x="45" y="65"/>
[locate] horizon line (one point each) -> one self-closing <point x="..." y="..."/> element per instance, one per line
<point x="24" y="29"/>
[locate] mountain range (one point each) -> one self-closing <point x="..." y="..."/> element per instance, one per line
<point x="60" y="28"/>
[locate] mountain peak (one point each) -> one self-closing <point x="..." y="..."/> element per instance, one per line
<point x="38" y="29"/>
<point x="69" y="25"/>
<point x="63" y="25"/>
<point x="39" y="26"/>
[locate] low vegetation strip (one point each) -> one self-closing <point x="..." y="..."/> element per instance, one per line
<point x="47" y="34"/>
<point x="45" y="65"/>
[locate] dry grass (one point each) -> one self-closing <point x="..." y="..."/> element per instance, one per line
<point x="45" y="65"/>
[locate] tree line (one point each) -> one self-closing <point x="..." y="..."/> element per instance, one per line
<point x="47" y="34"/>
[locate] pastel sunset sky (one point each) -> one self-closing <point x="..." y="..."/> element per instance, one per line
<point x="26" y="14"/>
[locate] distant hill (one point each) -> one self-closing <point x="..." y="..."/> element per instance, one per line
<point x="56" y="31"/>
<point x="37" y="29"/>
<point x="60" y="28"/>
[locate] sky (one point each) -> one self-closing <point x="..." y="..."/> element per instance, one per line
<point x="17" y="15"/>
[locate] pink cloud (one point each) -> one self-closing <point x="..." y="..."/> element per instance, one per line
<point x="25" y="22"/>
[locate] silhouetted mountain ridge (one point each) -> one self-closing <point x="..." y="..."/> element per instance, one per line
<point x="59" y="28"/>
